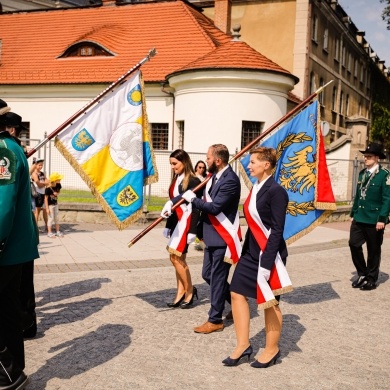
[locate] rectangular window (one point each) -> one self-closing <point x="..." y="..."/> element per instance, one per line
<point x="334" y="99"/>
<point x="159" y="134"/>
<point x="321" y="95"/>
<point x="326" y="34"/>
<point x="180" y="126"/>
<point x="250" y="130"/>
<point x="349" y="61"/>
<point x="343" y="56"/>
<point x="86" y="51"/>
<point x="355" y="69"/>
<point x="314" y="30"/>
<point x="337" y="49"/>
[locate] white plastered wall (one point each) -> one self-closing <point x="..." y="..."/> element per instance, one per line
<point x="213" y="104"/>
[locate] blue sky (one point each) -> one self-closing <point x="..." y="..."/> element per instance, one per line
<point x="366" y="15"/>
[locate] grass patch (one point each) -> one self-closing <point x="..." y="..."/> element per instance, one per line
<point x="77" y="196"/>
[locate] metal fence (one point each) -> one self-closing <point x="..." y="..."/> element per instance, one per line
<point x="343" y="174"/>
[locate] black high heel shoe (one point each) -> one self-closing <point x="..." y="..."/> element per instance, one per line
<point x="187" y="305"/>
<point x="176" y="304"/>
<point x="257" y="364"/>
<point x="233" y="362"/>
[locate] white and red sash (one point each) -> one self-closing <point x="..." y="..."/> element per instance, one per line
<point x="178" y="240"/>
<point x="279" y="281"/>
<point x="230" y="232"/>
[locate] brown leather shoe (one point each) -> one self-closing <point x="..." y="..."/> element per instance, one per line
<point x="229" y="316"/>
<point x="209" y="327"/>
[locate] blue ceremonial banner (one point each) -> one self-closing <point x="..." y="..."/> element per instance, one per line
<point x="301" y="169"/>
<point x="110" y="148"/>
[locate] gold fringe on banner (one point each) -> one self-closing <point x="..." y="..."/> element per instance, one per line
<point x="316" y="223"/>
<point x="244" y="175"/>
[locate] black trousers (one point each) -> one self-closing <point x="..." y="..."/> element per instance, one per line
<point x="215" y="273"/>
<point x="361" y="233"/>
<point x="27" y="295"/>
<point x="11" y="334"/>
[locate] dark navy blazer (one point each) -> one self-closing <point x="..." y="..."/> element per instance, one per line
<point x="225" y="195"/>
<point x="271" y="204"/>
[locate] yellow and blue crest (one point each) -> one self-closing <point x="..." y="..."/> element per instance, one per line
<point x="82" y="140"/>
<point x="134" y="97"/>
<point x="127" y="196"/>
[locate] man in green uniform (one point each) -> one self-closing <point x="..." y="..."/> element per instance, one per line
<point x="18" y="245"/>
<point x="369" y="215"/>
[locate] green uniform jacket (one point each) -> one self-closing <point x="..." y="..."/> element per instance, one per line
<point x="18" y="230"/>
<point x="375" y="207"/>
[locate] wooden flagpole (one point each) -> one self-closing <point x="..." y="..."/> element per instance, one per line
<point x="299" y="107"/>
<point x="151" y="54"/>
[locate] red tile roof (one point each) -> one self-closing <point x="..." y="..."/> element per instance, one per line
<point x="234" y="55"/>
<point x="32" y="43"/>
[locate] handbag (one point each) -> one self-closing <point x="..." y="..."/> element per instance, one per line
<point x="34" y="192"/>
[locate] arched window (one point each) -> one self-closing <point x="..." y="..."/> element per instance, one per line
<point x="86" y="49"/>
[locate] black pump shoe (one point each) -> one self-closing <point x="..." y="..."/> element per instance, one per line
<point x="257" y="364"/>
<point x="233" y="362"/>
<point x="176" y="304"/>
<point x="187" y="305"/>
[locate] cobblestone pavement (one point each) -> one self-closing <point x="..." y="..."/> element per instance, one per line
<point x="111" y="329"/>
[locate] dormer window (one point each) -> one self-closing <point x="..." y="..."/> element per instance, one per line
<point x="86" y="49"/>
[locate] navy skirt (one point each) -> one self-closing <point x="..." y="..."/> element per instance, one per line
<point x="244" y="280"/>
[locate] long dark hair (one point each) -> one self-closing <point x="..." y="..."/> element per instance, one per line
<point x="182" y="156"/>
<point x="196" y="166"/>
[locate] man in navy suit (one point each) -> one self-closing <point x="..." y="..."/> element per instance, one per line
<point x="220" y="200"/>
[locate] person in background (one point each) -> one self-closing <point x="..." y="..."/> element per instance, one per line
<point x="181" y="227"/>
<point x="201" y="174"/>
<point x="18" y="245"/>
<point x="40" y="182"/>
<point x="219" y="207"/>
<point x="369" y="216"/>
<point x="51" y="204"/>
<point x="33" y="187"/>
<point x="200" y="170"/>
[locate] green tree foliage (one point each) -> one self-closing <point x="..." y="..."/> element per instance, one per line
<point x="380" y="129"/>
<point x="386" y="12"/>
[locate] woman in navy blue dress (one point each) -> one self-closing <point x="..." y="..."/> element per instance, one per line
<point x="264" y="209"/>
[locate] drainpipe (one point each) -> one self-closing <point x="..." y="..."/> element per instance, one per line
<point x="172" y="95"/>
